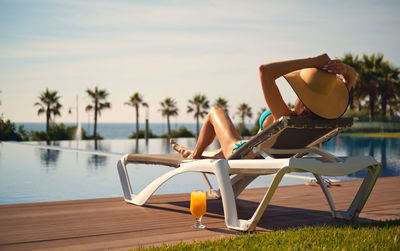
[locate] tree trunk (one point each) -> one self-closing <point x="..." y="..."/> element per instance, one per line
<point x="384" y="104"/>
<point x="197" y="126"/>
<point x="48" y="114"/>
<point x="351" y="99"/>
<point x="95" y="119"/>
<point x="372" y="97"/>
<point x="241" y="127"/>
<point x="48" y="120"/>
<point x="169" y="126"/>
<point x="197" y="120"/>
<point x="137" y="121"/>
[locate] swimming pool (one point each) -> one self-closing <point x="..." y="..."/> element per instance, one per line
<point x="84" y="170"/>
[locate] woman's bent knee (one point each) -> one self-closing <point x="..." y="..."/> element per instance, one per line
<point x="216" y="109"/>
<point x="217" y="113"/>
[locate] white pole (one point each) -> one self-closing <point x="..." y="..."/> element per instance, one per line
<point x="77" y="111"/>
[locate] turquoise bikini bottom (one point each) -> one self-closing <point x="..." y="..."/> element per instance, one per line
<point x="238" y="145"/>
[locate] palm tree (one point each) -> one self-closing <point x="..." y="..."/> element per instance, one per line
<point x="49" y="104"/>
<point x="99" y="104"/>
<point x="369" y="77"/>
<point x="198" y="105"/>
<point x="394" y="104"/>
<point x="169" y="109"/>
<point x="387" y="84"/>
<point x="222" y="103"/>
<point x="135" y="100"/>
<point x="355" y="93"/>
<point x="244" y="110"/>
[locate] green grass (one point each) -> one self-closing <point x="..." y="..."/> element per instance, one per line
<point x="360" y="236"/>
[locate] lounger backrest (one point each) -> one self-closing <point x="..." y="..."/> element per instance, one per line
<point x="293" y="133"/>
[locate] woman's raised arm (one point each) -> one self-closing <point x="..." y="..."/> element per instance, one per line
<point x="270" y="72"/>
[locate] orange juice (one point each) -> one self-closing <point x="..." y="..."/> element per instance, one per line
<point x="198" y="204"/>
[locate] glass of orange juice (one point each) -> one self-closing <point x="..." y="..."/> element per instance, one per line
<point x="198" y="207"/>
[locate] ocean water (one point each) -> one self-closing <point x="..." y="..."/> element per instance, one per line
<point x="119" y="130"/>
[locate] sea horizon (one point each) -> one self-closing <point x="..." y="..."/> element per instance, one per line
<point x="117" y="130"/>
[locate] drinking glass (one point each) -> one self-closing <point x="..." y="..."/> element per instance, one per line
<point x="198" y="207"/>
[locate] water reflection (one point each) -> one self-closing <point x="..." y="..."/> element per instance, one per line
<point x="97" y="161"/>
<point x="98" y="145"/>
<point x="134" y="147"/>
<point x="49" y="157"/>
<point x="166" y="145"/>
<point x="384" y="150"/>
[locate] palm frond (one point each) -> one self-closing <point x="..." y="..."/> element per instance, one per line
<point x="88" y="108"/>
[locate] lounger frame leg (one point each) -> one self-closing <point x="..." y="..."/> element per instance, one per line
<point x="353" y="210"/>
<point x="326" y="193"/>
<point x="360" y="198"/>
<point x="362" y="195"/>
<point x="266" y="199"/>
<point x="130" y="197"/>
<point x="211" y="192"/>
<point x="221" y="172"/>
<point x="124" y="178"/>
<point x="141" y="198"/>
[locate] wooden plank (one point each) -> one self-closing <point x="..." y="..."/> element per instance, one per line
<point x="113" y="224"/>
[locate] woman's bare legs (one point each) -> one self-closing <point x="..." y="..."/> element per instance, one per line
<point x="187" y="153"/>
<point x="183" y="151"/>
<point x="217" y="123"/>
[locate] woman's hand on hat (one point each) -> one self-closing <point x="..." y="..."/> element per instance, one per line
<point x="335" y="67"/>
<point x="321" y="60"/>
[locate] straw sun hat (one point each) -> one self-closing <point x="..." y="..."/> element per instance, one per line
<point x="324" y="94"/>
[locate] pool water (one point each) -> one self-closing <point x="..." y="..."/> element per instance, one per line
<point x="75" y="170"/>
<point x="384" y="150"/>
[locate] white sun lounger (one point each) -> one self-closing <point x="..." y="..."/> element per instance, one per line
<point x="282" y="146"/>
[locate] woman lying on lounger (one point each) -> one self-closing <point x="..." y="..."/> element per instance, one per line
<point x="320" y="93"/>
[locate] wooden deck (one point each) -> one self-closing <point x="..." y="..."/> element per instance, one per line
<point x="113" y="224"/>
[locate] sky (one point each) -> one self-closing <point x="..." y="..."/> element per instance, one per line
<point x="173" y="49"/>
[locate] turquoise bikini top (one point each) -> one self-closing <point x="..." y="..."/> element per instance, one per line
<point x="263" y="116"/>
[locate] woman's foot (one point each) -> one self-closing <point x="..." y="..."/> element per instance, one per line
<point x="183" y="151"/>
